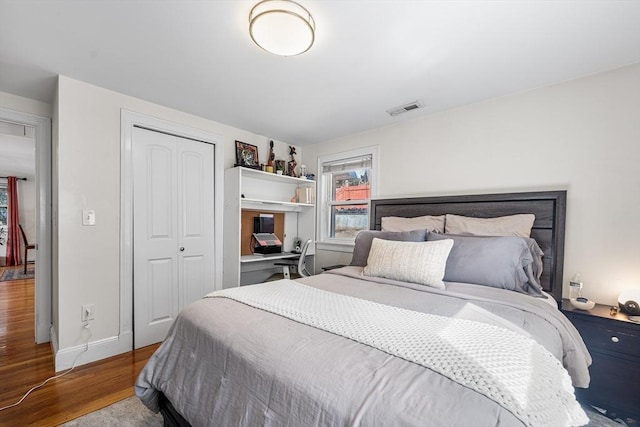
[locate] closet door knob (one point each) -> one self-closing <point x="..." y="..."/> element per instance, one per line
<point x="181" y="248"/>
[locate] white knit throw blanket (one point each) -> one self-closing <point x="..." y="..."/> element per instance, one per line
<point x="509" y="368"/>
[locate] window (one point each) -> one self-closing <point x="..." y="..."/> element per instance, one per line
<point x="347" y="183"/>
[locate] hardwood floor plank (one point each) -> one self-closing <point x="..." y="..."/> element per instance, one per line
<point x="24" y="364"/>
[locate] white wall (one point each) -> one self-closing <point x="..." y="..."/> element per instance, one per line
<point x="582" y="135"/>
<point x="87" y="176"/>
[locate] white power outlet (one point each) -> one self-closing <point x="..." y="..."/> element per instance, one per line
<point x="88" y="312"/>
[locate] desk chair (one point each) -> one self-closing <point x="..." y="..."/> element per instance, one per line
<point x="300" y="264"/>
<point x="27" y="246"/>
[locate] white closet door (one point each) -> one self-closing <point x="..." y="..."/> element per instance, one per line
<point x="173" y="229"/>
<point x="195" y="221"/>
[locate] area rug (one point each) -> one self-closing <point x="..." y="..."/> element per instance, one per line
<point x="126" y="413"/>
<point x="17" y="273"/>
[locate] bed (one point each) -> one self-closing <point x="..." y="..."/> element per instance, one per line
<point x="356" y="347"/>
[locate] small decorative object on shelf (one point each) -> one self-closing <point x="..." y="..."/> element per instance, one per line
<point x="247" y="155"/>
<point x="271" y="157"/>
<point x="303" y="171"/>
<point x="292" y="163"/>
<point x="629" y="301"/>
<point x="280" y="164"/>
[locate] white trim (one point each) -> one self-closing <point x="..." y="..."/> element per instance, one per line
<point x="321" y="205"/>
<point x="96" y="350"/>
<point x="42" y="135"/>
<point x="129" y="119"/>
<point x="54" y="342"/>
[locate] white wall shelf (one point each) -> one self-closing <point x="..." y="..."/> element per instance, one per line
<point x="270" y="204"/>
<point x="254" y="190"/>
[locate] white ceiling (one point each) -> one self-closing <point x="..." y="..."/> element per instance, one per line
<point x="369" y="56"/>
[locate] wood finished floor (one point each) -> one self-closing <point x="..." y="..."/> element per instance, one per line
<point x="24" y="364"/>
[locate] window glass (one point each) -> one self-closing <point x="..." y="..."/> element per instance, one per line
<point x="346" y="189"/>
<point x="3" y="206"/>
<point x="348" y="220"/>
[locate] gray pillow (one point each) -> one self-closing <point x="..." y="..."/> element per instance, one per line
<point x="534" y="248"/>
<point x="365" y="237"/>
<point x="537" y="255"/>
<point x="499" y="262"/>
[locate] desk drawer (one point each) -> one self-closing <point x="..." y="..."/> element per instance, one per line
<point x="599" y="335"/>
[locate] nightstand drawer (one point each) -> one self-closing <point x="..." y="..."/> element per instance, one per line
<point x="614" y="384"/>
<point x="601" y="336"/>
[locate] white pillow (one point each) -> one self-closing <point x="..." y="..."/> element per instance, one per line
<point x="416" y="262"/>
<point x="512" y="225"/>
<point x="427" y="222"/>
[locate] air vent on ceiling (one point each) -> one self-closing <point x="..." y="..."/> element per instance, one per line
<point x="404" y="108"/>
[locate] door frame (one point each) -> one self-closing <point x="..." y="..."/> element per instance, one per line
<point x="129" y="120"/>
<point x="42" y="304"/>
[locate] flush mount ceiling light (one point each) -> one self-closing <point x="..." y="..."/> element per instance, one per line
<point x="282" y="27"/>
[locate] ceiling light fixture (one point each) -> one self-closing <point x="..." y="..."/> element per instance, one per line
<point x="282" y="27"/>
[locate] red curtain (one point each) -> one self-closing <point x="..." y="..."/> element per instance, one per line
<point x="13" y="233"/>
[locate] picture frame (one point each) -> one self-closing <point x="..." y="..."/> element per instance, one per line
<point x="247" y="155"/>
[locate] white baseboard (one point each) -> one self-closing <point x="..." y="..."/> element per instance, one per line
<point x="96" y="350"/>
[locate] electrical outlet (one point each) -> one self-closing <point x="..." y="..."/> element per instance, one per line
<point x="87" y="312"/>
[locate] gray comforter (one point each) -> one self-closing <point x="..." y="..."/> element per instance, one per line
<point x="226" y="364"/>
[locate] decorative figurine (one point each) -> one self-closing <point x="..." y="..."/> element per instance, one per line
<point x="292" y="163"/>
<point x="271" y="155"/>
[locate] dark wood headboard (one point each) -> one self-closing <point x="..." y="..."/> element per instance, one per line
<point x="549" y="207"/>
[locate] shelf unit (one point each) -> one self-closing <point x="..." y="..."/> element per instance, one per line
<point x="263" y="192"/>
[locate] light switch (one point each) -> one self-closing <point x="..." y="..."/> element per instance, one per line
<point x="88" y="217"/>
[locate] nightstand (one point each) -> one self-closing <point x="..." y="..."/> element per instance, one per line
<point x="614" y="344"/>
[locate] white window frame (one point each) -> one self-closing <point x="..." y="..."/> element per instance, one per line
<point x="324" y="193"/>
